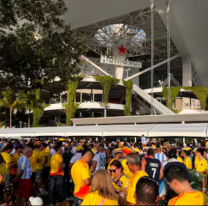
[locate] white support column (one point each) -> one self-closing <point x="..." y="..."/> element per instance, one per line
<point x="119" y="74"/>
<point x="187" y="71"/>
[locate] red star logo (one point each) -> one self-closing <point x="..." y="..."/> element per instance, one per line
<point x="122" y="50"/>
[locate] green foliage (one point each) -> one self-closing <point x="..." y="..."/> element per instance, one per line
<point x="11" y="102"/>
<point x="107" y="82"/>
<point x="39" y="48"/>
<point x="200" y="92"/>
<point x="35" y="103"/>
<point x="70" y="106"/>
<point x="129" y="88"/>
<point x="174" y="93"/>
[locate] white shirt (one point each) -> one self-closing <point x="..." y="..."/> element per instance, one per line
<point x="144" y="140"/>
<point x="100" y="158"/>
<point x="74" y="150"/>
<point x="76" y="157"/>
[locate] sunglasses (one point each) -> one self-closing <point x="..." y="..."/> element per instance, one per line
<point x="113" y="171"/>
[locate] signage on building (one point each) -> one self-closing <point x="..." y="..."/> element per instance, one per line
<point x="125" y="63"/>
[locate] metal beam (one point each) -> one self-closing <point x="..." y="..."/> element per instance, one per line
<point x="151" y="68"/>
<point x="94" y="65"/>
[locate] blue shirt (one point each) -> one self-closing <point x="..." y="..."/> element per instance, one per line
<point x="24" y="164"/>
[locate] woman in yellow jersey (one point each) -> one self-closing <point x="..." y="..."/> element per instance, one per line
<point x="102" y="191"/>
<point x="186" y="159"/>
<point x="201" y="164"/>
<point x="120" y="181"/>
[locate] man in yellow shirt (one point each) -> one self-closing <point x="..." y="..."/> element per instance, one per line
<point x="186" y="159"/>
<point x="8" y="159"/>
<point x="38" y="178"/>
<point x="57" y="173"/>
<point x="133" y="162"/>
<point x="201" y="164"/>
<point x="177" y="178"/>
<point x="46" y="167"/>
<point x="126" y="150"/>
<point x="33" y="161"/>
<point x="81" y="176"/>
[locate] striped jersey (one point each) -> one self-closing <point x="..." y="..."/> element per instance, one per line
<point x="24" y="164"/>
<point x="160" y="156"/>
<point x="100" y="158"/>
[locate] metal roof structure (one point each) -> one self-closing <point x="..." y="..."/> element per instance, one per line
<point x="186" y="28"/>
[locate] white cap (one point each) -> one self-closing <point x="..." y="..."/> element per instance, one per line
<point x="36" y="201"/>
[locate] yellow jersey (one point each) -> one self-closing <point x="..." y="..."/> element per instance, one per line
<point x="132" y="186"/>
<point x="33" y="160"/>
<point x="201" y="166"/>
<point x="47" y="154"/>
<point x="126" y="170"/>
<point x="121" y="184"/>
<point x="180" y="159"/>
<point x="15" y="159"/>
<point x="80" y="171"/>
<point x="188" y="163"/>
<point x="95" y="199"/>
<point x="3" y="170"/>
<point x="192" y="198"/>
<point x="41" y="160"/>
<point x="55" y="165"/>
<point x="8" y="159"/>
<point x="196" y="161"/>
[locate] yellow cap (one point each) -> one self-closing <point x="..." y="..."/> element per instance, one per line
<point x="153" y="146"/>
<point x="188" y="148"/>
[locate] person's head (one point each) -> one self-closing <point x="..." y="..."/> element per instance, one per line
<point x="79" y="149"/>
<point x="101" y="148"/>
<point x="133" y="162"/>
<point x="146" y="192"/>
<point x="150" y="152"/>
<point x="159" y="150"/>
<point x="172" y="153"/>
<point x="116" y="168"/>
<point x="176" y="176"/>
<point x="43" y="146"/>
<point x="9" y="148"/>
<point x="27" y="152"/>
<point x="102" y="183"/>
<point x="199" y="152"/>
<point x="87" y="155"/>
<point x="69" y="148"/>
<point x="19" y="149"/>
<point x="58" y="149"/>
<point x="36" y="147"/>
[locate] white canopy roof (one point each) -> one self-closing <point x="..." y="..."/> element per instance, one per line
<point x="150" y="130"/>
<point x="179" y="130"/>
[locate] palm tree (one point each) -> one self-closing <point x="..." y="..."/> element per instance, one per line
<point x="35" y="104"/>
<point x="11" y="102"/>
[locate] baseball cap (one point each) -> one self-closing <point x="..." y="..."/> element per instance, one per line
<point x="36" y="201"/>
<point x="127" y="150"/>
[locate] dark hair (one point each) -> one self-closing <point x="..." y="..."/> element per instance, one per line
<point x="9" y="146"/>
<point x="117" y="164"/>
<point x="87" y="150"/>
<point x="136" y="145"/>
<point x="172" y="153"/>
<point x="200" y="150"/>
<point x="44" y="144"/>
<point x="36" y="147"/>
<point x="147" y="191"/>
<point x="150" y="152"/>
<point x="176" y="172"/>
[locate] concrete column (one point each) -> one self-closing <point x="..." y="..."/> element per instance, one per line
<point x="119" y="74"/>
<point x="187" y="72"/>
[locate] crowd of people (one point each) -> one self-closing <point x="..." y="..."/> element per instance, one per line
<point x="88" y="172"/>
